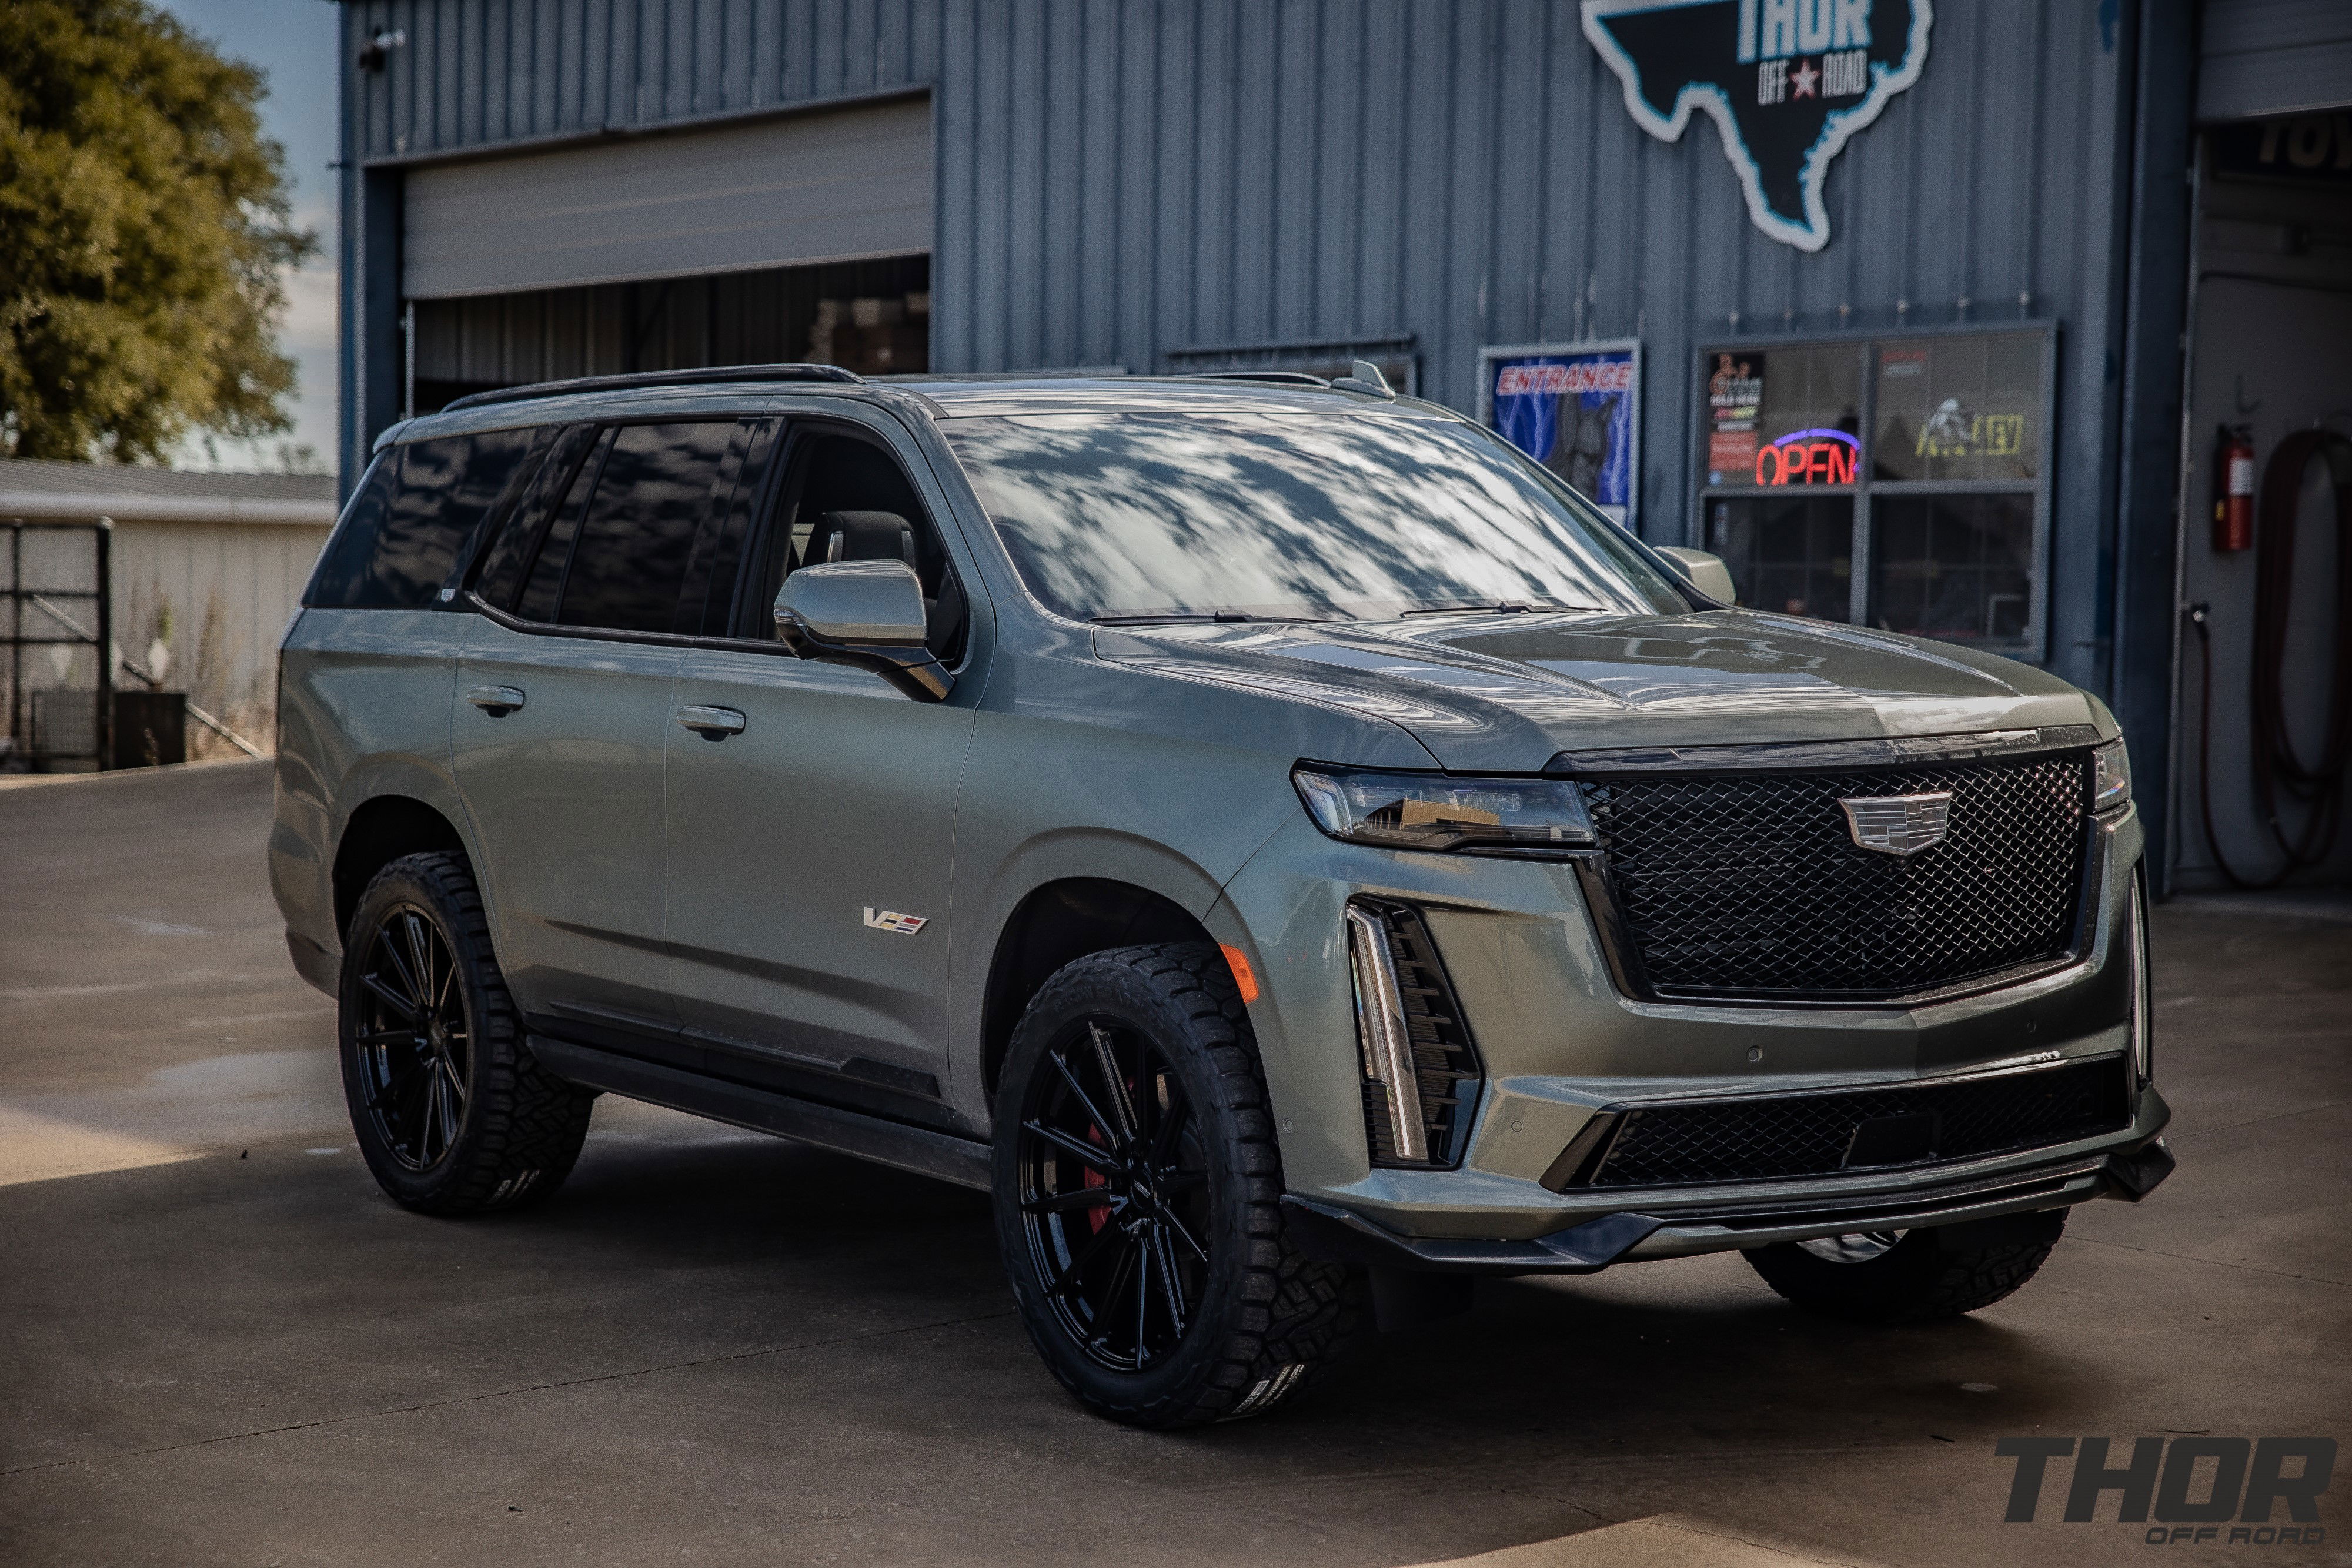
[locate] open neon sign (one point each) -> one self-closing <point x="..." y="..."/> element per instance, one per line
<point x="1809" y="457"/>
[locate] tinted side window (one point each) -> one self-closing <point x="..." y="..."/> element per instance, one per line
<point x="500" y="568"/>
<point x="345" y="557"/>
<point x="545" y="585"/>
<point x="396" y="556"/>
<point x="722" y="548"/>
<point x="637" y="535"/>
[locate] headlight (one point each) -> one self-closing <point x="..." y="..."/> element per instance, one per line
<point x="1437" y="811"/>
<point x="2110" y="777"/>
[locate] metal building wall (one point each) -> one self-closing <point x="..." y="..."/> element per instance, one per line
<point x="1121" y="182"/>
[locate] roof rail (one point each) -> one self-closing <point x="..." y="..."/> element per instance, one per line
<point x="1286" y="378"/>
<point x="702" y="377"/>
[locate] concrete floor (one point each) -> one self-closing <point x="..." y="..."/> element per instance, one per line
<point x="219" y="1344"/>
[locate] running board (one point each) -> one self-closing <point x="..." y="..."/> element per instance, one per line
<point x="920" y="1150"/>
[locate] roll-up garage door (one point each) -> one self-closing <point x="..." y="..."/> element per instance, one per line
<point x="836" y="186"/>
<point x="2261" y="58"/>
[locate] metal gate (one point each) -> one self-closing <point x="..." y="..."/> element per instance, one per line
<point x="56" y="611"/>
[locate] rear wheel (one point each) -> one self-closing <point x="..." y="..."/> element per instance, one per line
<point x="1137" y="1186"/>
<point x="453" y="1113"/>
<point x="1911" y="1276"/>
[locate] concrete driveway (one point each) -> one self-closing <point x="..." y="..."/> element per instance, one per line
<point x="219" y="1344"/>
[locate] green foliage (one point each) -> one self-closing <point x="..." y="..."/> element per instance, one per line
<point x="143" y="221"/>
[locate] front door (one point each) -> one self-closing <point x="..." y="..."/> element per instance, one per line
<point x="563" y="711"/>
<point x="810" y="842"/>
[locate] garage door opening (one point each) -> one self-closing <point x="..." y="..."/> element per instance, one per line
<point x="871" y="317"/>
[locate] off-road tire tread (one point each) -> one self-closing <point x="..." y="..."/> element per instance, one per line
<point x="527" y="1124"/>
<point x="1963" y="1280"/>
<point x="1301" y="1311"/>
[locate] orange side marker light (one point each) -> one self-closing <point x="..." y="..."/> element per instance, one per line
<point x="1244" y="976"/>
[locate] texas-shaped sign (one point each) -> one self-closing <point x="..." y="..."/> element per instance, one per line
<point x="1786" y="81"/>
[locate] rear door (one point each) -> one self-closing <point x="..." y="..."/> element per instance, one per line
<point x="810" y="842"/>
<point x="562" y="709"/>
<point x="365" y="669"/>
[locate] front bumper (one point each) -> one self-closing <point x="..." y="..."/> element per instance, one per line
<point x="1561" y="1044"/>
<point x="1953" y="1195"/>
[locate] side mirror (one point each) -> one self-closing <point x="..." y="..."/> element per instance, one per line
<point x="1704" y="571"/>
<point x="867" y="614"/>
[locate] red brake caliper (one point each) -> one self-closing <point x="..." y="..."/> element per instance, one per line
<point x="1099" y="1214"/>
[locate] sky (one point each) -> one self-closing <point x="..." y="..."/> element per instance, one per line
<point x="294" y="42"/>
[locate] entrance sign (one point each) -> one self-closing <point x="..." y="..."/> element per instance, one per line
<point x="1786" y="81"/>
<point x="1576" y="408"/>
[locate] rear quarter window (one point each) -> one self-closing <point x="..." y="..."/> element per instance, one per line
<point x="415" y="511"/>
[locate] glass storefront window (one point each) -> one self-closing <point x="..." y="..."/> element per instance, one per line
<point x="1788" y="553"/>
<point x="1782" y="418"/>
<point x="1958" y="408"/>
<point x="1915" y="464"/>
<point x="1958" y="569"/>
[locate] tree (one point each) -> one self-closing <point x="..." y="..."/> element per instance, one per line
<point x="143" y="221"/>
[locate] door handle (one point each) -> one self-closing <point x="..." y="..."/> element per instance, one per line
<point x="496" y="701"/>
<point x="711" y="723"/>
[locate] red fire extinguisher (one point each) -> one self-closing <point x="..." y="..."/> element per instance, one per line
<point x="2233" y="489"/>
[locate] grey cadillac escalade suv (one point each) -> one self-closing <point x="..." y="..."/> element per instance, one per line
<point x="1273" y="835"/>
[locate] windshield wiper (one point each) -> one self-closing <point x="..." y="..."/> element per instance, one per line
<point x="1234" y="616"/>
<point x="1492" y="606"/>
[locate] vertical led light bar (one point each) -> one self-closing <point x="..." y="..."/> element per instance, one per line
<point x="2143" y="1013"/>
<point x="1380" y="1031"/>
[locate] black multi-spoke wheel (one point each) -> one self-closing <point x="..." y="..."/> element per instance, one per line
<point x="453" y="1113"/>
<point x="1137" y="1185"/>
<point x="1113" y="1194"/>
<point x="415" y="1052"/>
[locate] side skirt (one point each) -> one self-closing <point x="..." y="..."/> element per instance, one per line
<point x="963" y="1161"/>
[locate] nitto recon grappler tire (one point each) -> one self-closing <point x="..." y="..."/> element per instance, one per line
<point x="1137" y="1192"/>
<point x="1914" y="1276"/>
<point x="453" y="1113"/>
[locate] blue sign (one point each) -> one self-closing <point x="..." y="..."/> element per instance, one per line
<point x="1575" y="408"/>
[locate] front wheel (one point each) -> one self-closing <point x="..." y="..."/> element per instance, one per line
<point x="1911" y="1276"/>
<point x="1137" y="1187"/>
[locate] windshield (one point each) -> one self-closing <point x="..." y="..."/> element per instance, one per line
<point x="1311" y="515"/>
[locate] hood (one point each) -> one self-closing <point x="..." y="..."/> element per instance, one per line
<point x="1507" y="692"/>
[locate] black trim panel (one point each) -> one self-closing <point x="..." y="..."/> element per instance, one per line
<point x="1327" y="1230"/>
<point x="1579" y="1165"/>
<point x="922" y="1150"/>
<point x="857" y="1084"/>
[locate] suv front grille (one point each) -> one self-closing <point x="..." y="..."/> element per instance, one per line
<point x="1781" y="1136"/>
<point x="1751" y="885"/>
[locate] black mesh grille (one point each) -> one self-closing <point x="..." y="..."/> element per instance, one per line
<point x="1809" y="1134"/>
<point x="1752" y="885"/>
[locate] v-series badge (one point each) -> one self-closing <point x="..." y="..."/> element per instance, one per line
<point x="891" y="920"/>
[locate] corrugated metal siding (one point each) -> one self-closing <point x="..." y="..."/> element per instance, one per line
<point x="225" y="592"/>
<point x="1121" y="180"/>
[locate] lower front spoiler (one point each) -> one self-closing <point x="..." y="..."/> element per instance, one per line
<point x="1327" y="1230"/>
